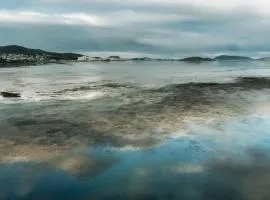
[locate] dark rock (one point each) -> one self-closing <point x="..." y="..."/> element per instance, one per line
<point x="10" y="94"/>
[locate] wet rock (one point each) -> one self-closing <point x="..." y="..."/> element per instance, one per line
<point x="10" y="94"/>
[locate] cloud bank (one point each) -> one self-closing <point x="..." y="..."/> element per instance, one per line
<point x="167" y="27"/>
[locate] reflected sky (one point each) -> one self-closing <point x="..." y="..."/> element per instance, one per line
<point x="196" y="166"/>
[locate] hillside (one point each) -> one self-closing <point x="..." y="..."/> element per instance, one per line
<point x="15" y="49"/>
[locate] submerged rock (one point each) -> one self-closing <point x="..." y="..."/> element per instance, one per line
<point x="10" y="94"/>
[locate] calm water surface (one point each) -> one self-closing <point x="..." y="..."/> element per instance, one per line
<point x="142" y="130"/>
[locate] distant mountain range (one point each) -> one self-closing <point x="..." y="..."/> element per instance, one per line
<point x="15" y="49"/>
<point x="221" y="58"/>
<point x="45" y="55"/>
<point x="227" y="57"/>
<point x="198" y="59"/>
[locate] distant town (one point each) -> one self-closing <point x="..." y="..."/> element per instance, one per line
<point x="22" y="58"/>
<point x="18" y="55"/>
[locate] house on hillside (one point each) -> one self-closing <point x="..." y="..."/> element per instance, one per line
<point x="84" y="58"/>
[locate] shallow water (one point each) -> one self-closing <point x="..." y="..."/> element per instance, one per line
<point x="136" y="131"/>
<point x="43" y="82"/>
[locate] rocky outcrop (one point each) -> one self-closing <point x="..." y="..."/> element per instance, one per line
<point x="10" y="94"/>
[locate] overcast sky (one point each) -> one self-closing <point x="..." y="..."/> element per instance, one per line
<point x="166" y="27"/>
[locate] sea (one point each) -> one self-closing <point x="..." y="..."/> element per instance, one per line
<point x="150" y="130"/>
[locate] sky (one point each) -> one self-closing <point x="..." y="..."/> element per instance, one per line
<point x="160" y="27"/>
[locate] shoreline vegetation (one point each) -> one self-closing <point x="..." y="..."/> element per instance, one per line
<point x="13" y="56"/>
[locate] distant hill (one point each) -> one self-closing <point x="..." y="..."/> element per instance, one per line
<point x="232" y="58"/>
<point x="15" y="49"/>
<point x="141" y="59"/>
<point x="196" y="59"/>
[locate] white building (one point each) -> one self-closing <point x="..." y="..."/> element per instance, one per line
<point x="84" y="58"/>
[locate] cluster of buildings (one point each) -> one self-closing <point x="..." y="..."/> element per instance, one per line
<point x="97" y="58"/>
<point x="116" y="58"/>
<point x="9" y="58"/>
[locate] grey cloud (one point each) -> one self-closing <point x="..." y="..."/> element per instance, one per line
<point x="155" y="26"/>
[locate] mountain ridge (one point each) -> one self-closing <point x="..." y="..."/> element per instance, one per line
<point x="16" y="49"/>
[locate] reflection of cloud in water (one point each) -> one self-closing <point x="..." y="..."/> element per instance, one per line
<point x="187" y="168"/>
<point x="25" y="177"/>
<point x="250" y="176"/>
<point x="143" y="175"/>
<point x="84" y="166"/>
<point x="28" y="153"/>
<point x="18" y="179"/>
<point x="248" y="179"/>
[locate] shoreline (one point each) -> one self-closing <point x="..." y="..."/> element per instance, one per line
<point x="63" y="62"/>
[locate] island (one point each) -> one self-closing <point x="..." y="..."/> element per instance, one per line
<point x="221" y="58"/>
<point x="10" y="94"/>
<point x="197" y="59"/>
<point x="232" y="58"/>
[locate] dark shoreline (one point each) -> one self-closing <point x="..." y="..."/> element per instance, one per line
<point x="29" y="64"/>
